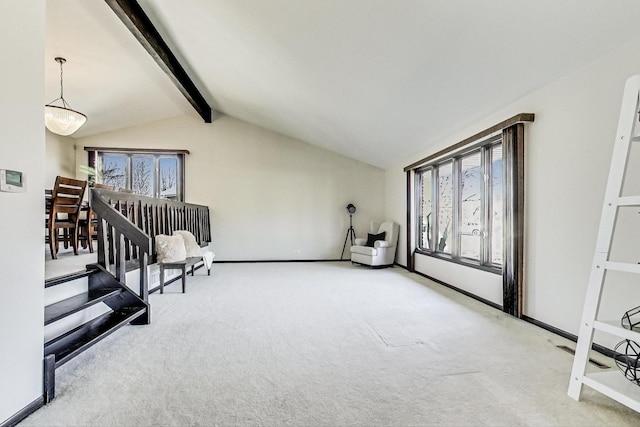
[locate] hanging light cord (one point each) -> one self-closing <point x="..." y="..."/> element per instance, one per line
<point x="61" y="86"/>
<point x="64" y="103"/>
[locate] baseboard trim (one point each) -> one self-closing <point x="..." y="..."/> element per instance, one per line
<point x="571" y="337"/>
<point x="462" y="291"/>
<point x="596" y="347"/>
<point x="24" y="413"/>
<point x="550" y="328"/>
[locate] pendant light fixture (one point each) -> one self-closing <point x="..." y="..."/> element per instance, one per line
<point x="62" y="120"/>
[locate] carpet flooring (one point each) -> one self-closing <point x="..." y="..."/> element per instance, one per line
<point x="323" y="344"/>
<point x="66" y="262"/>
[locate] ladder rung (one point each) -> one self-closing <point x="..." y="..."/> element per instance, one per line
<point x="622" y="266"/>
<point x="613" y="384"/>
<point x="629" y="201"/>
<point x="635" y="138"/>
<point x="615" y="328"/>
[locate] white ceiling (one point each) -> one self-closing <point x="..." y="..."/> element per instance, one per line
<point x="376" y="80"/>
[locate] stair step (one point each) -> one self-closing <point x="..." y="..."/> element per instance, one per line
<point x="74" y="342"/>
<point x="68" y="278"/>
<point x="76" y="303"/>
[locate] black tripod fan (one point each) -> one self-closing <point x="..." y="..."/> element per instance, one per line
<point x="350" y="231"/>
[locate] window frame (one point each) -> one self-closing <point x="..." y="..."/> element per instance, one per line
<point x="513" y="205"/>
<point x="484" y="262"/>
<point x="96" y="154"/>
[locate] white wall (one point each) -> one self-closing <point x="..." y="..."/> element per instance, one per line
<point x="61" y="158"/>
<point x="568" y="152"/>
<point x="482" y="283"/>
<point x="21" y="215"/>
<point x="271" y="197"/>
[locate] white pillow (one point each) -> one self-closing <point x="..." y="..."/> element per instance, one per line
<point x="170" y="248"/>
<point x="193" y="249"/>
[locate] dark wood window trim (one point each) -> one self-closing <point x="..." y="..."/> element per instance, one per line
<point x="137" y="150"/>
<point x="513" y="196"/>
<point x="513" y="219"/>
<point x="518" y="118"/>
<point x="410" y="226"/>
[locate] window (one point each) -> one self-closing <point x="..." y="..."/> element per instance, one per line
<point x="465" y="204"/>
<point x="146" y="172"/>
<point x="113" y="171"/>
<point x="445" y="207"/>
<point x="461" y="216"/>
<point x="425" y="215"/>
<point x="471" y="205"/>
<point x="143" y="176"/>
<point x="496" y="204"/>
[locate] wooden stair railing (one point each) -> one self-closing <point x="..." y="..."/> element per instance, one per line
<point x="113" y="229"/>
<point x="127" y="227"/>
<point x="129" y="223"/>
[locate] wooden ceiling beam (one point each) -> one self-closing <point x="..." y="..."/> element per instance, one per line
<point x="132" y="15"/>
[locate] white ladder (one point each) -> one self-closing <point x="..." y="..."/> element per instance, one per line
<point x="612" y="382"/>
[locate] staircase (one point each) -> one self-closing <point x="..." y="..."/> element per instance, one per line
<point x="84" y="308"/>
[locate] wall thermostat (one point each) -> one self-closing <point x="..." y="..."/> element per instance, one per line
<point x="12" y="181"/>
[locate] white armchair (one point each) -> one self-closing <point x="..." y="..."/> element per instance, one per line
<point x="377" y="250"/>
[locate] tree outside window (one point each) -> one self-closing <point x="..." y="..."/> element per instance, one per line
<point x="460" y="217"/>
<point x="145" y="173"/>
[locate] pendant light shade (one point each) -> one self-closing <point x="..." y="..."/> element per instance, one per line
<point x="62" y="120"/>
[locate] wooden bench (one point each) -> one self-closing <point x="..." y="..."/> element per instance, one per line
<point x="182" y="266"/>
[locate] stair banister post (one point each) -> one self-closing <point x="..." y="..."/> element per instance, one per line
<point x="121" y="270"/>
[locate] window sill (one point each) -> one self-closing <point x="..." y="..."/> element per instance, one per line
<point x="466" y="263"/>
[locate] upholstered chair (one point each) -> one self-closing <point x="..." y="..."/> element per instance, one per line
<point x="379" y="248"/>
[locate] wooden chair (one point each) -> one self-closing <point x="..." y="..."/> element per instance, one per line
<point x="88" y="227"/>
<point x="66" y="198"/>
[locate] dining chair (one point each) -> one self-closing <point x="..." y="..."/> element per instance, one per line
<point x="66" y="198"/>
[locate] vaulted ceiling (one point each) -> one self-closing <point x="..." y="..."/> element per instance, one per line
<point x="376" y="80"/>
